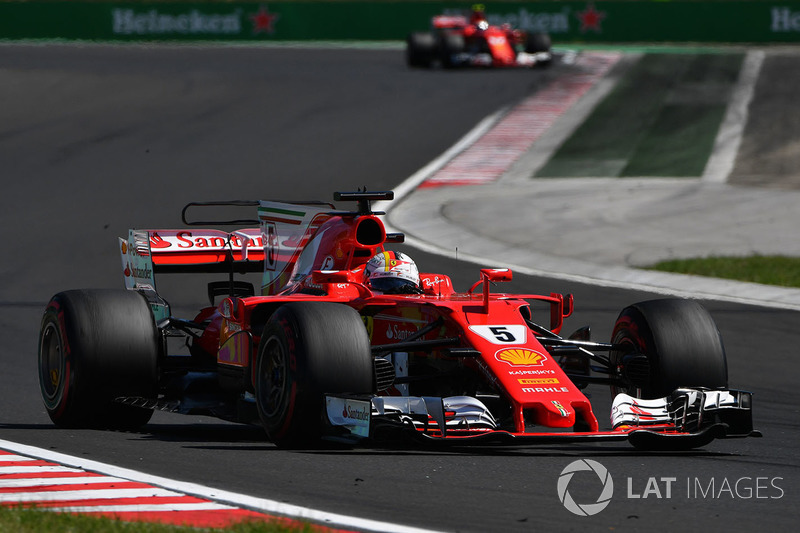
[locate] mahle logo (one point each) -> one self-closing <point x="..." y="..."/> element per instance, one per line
<point x="585" y="509"/>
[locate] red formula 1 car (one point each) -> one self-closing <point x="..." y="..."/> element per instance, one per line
<point x="347" y="341"/>
<point x="458" y="41"/>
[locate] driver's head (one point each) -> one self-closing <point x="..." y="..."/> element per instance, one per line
<point x="477" y="14"/>
<point x="393" y="273"/>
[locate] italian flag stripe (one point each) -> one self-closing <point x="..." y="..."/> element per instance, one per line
<point x="285" y="220"/>
<point x="277" y="211"/>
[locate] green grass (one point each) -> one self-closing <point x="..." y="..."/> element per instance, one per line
<point x="766" y="269"/>
<point x="19" y="520"/>
<point x="661" y="119"/>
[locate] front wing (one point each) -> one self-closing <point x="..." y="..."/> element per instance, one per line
<point x="522" y="59"/>
<point x="688" y="418"/>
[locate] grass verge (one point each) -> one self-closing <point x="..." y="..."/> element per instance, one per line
<point x="19" y="520"/>
<point x="661" y="119"/>
<point x="766" y="269"/>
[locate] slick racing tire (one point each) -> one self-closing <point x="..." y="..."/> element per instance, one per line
<point x="537" y="42"/>
<point x="420" y="50"/>
<point x="96" y="346"/>
<point x="308" y="349"/>
<point x="669" y="344"/>
<point x="450" y="45"/>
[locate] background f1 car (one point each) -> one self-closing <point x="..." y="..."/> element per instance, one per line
<point x="320" y="354"/>
<point x="459" y="41"/>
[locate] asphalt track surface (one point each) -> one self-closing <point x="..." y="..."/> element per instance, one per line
<point x="96" y="139"/>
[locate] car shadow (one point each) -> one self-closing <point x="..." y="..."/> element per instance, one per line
<point x="235" y="437"/>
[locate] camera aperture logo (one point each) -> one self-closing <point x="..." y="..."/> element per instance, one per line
<point x="585" y="509"/>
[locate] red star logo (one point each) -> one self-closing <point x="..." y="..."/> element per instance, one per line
<point x="264" y="21"/>
<point x="591" y="19"/>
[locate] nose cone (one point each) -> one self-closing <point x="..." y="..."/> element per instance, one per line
<point x="558" y="414"/>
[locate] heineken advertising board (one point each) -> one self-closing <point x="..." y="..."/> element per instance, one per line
<point x="598" y="21"/>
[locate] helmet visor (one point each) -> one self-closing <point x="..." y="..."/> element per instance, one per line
<point x="392" y="285"/>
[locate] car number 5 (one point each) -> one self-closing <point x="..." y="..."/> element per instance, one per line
<point x="501" y="334"/>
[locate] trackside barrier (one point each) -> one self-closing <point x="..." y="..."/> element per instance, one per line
<point x="752" y="21"/>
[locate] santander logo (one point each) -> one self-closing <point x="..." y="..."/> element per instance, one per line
<point x="355" y="414"/>
<point x="206" y="240"/>
<point x="157" y="242"/>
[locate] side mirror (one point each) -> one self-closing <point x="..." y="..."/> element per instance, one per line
<point x="497" y="274"/>
<point x="488" y="275"/>
<point x="332" y="276"/>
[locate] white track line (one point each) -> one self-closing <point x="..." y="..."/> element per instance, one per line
<point x="239" y="500"/>
<point x="57" y="481"/>
<point x="142" y="508"/>
<point x="729" y="138"/>
<point x="71" y="495"/>
<point x="11" y="458"/>
<point x="34" y="469"/>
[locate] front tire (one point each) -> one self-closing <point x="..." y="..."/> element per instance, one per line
<point x="309" y="349"/>
<point x="96" y="346"/>
<point x="538" y="42"/>
<point x="451" y="45"/>
<point x="669" y="344"/>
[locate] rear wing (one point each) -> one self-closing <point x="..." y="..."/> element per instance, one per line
<point x="193" y="250"/>
<point x="273" y="248"/>
<point x="146" y="252"/>
<point x="445" y="22"/>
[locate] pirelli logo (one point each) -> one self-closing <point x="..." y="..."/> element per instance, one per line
<point x="538" y="381"/>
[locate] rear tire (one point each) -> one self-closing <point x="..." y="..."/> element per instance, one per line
<point x="309" y="349"/>
<point x="678" y="345"/>
<point x="96" y="346"/>
<point x="420" y="50"/>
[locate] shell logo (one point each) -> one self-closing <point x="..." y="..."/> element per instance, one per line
<point x="521" y="357"/>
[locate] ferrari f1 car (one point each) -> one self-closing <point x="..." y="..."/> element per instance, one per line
<point x="326" y="352"/>
<point x="458" y="41"/>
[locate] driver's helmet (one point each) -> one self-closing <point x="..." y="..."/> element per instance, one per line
<point x="393" y="273"/>
<point x="477" y="14"/>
